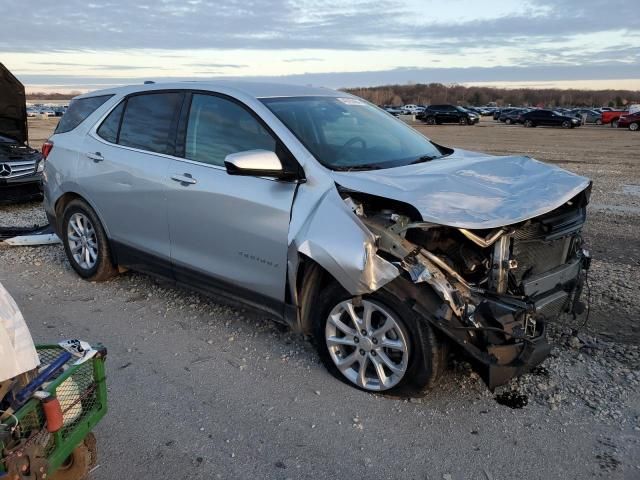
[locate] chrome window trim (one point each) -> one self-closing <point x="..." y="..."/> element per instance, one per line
<point x="93" y="133"/>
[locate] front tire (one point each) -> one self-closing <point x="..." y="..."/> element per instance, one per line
<point x="528" y="124"/>
<point x="598" y="122"/>
<point x="431" y="121"/>
<point x="614" y="124"/>
<point x="380" y="345"/>
<point x="86" y="243"/>
<point x="566" y="124"/>
<point x="634" y="126"/>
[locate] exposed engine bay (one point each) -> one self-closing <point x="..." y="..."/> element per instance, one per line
<point x="498" y="287"/>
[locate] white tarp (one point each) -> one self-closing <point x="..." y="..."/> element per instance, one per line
<point x="17" y="351"/>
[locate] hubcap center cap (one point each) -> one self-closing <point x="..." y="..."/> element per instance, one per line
<point x="366" y="344"/>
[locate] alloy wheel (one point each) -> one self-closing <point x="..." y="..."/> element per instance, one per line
<point x="82" y="240"/>
<point x="634" y="127"/>
<point x="367" y="344"/>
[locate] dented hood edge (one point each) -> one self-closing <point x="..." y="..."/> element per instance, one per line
<point x="472" y="190"/>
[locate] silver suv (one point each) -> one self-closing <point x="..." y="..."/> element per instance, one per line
<point x="329" y="214"/>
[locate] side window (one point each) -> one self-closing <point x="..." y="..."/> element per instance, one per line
<point x="218" y="127"/>
<point x="148" y="121"/>
<point x="109" y="128"/>
<point x="78" y="111"/>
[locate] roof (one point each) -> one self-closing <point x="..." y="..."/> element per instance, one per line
<point x="251" y="89"/>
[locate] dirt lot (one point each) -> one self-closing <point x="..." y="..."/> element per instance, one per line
<point x="199" y="389"/>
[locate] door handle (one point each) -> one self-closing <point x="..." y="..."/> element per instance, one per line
<point x="96" y="157"/>
<point x="184" y="179"/>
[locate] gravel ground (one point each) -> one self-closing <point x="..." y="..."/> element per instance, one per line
<point x="233" y="395"/>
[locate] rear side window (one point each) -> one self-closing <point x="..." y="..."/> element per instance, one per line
<point x="78" y="111"/>
<point x="109" y="128"/>
<point x="149" y="121"/>
<point x="218" y="127"/>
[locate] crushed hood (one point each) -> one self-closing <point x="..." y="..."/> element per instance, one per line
<point x="471" y="190"/>
<point x="13" y="107"/>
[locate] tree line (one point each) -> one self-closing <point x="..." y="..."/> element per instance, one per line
<point x="438" y="93"/>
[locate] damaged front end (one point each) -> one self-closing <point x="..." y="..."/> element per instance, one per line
<point x="497" y="287"/>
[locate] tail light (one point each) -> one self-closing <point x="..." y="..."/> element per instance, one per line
<point x="46" y="148"/>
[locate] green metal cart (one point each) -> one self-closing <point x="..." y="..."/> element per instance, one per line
<point x="31" y="452"/>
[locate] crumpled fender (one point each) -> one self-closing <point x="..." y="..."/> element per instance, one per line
<point x="325" y="229"/>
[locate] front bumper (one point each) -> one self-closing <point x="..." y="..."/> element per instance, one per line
<point x="21" y="189"/>
<point x="505" y="336"/>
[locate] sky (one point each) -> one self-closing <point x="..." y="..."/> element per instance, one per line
<point x="89" y="44"/>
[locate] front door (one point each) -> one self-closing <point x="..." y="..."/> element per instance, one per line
<point x="228" y="233"/>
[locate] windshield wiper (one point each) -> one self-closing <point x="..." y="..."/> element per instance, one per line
<point x="428" y="158"/>
<point x="355" y="168"/>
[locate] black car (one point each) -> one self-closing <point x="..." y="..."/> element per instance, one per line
<point x="437" y="114"/>
<point x="549" y="118"/>
<point x="501" y="112"/>
<point x="512" y="115"/>
<point x="20" y="165"/>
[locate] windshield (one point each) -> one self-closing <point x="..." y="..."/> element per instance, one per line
<point x="350" y="134"/>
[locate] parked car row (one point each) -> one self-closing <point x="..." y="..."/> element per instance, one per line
<point x="46" y="111"/>
<point x="568" y="117"/>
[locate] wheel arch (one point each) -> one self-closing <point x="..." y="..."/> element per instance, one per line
<point x="61" y="204"/>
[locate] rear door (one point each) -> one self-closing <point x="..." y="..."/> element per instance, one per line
<point x="555" y="119"/>
<point x="228" y="233"/>
<point x="124" y="169"/>
<point x="450" y="114"/>
<point x="543" y="118"/>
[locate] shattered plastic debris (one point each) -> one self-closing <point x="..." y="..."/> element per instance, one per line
<point x="28" y="236"/>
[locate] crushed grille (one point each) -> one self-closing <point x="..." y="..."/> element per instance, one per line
<point x="538" y="256"/>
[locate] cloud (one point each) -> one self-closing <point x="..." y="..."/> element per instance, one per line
<point x="373" y="78"/>
<point x="217" y="65"/>
<point x="304" y="59"/>
<point x="330" y="36"/>
<point x="296" y="24"/>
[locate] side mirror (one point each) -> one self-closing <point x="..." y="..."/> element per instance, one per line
<point x="254" y="163"/>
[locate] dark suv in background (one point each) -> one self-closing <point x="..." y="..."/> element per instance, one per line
<point x="437" y="114"/>
<point x="20" y="165"/>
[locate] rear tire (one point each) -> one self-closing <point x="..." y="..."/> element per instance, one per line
<point x="430" y="121"/>
<point x="634" y="126"/>
<point x="86" y="243"/>
<point x="425" y="353"/>
<point x="598" y="122"/>
<point x="528" y="124"/>
<point x="614" y="124"/>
